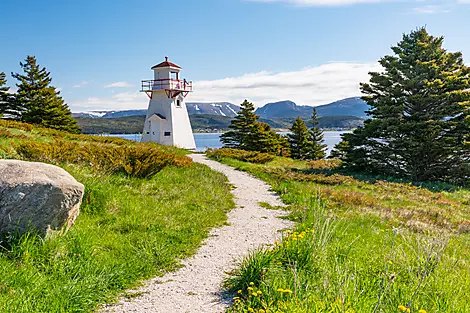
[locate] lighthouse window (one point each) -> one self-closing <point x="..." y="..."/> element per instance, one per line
<point x="167" y="134"/>
<point x="178" y="103"/>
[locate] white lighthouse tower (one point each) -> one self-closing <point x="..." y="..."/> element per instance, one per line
<point x="167" y="121"/>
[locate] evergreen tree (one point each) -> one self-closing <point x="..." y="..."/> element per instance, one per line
<point x="241" y="128"/>
<point x="419" y="108"/>
<point x="299" y="140"/>
<point x="37" y="102"/>
<point x="317" y="149"/>
<point x="263" y="139"/>
<point x="5" y="97"/>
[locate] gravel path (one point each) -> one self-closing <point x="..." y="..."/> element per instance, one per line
<point x="196" y="286"/>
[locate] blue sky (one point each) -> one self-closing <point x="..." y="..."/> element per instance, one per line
<point x="309" y="51"/>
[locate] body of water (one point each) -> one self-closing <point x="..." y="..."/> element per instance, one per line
<point x="212" y="140"/>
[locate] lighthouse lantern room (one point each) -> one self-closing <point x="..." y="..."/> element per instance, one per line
<point x="167" y="121"/>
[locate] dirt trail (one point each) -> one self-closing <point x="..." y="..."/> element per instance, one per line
<point x="196" y="286"/>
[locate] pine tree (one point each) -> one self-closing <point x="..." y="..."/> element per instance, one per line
<point x="419" y="108"/>
<point x="5" y="97"/>
<point x="37" y="102"/>
<point x="263" y="139"/>
<point x="317" y="149"/>
<point x="241" y="127"/>
<point x="299" y="140"/>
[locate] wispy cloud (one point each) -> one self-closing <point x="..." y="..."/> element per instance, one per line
<point x="81" y="84"/>
<point x="119" y="85"/>
<point x="323" y="2"/>
<point x="432" y="9"/>
<point x="309" y="86"/>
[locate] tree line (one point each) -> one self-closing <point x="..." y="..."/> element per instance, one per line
<point x="36" y="101"/>
<point x="248" y="133"/>
<point x="418" y="122"/>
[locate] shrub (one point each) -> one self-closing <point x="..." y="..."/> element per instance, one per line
<point x="15" y="124"/>
<point x="323" y="164"/>
<point x="242" y="155"/>
<point x="134" y="160"/>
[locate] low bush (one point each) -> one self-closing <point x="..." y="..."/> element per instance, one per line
<point x="329" y="164"/>
<point x="15" y="124"/>
<point x="242" y="155"/>
<point x="134" y="160"/>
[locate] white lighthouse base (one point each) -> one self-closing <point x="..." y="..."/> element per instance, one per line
<point x="167" y="122"/>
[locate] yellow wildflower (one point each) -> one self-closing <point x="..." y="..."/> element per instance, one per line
<point x="261" y="311"/>
<point x="250" y="288"/>
<point x="287" y="291"/>
<point x="252" y="283"/>
<point x="250" y="310"/>
<point x="422" y="311"/>
<point x="255" y="294"/>
<point x="402" y="308"/>
<point x="240" y="291"/>
<point x="280" y="290"/>
<point x="259" y="292"/>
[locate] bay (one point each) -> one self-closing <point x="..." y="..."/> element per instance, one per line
<point x="212" y="140"/>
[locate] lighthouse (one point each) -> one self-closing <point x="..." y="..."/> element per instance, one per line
<point x="167" y="121"/>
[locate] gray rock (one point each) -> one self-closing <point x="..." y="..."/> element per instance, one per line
<point x="37" y="196"/>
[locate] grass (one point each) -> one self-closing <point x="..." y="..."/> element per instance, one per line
<point x="360" y="244"/>
<point x="129" y="229"/>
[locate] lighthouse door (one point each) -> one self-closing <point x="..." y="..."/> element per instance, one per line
<point x="155" y="130"/>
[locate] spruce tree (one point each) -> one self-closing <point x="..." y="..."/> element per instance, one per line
<point x="241" y="128"/>
<point x="263" y="139"/>
<point x="37" y="102"/>
<point x="299" y="140"/>
<point x="5" y="97"/>
<point x="317" y="149"/>
<point x="419" y="110"/>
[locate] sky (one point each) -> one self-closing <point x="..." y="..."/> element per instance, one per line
<point x="312" y="52"/>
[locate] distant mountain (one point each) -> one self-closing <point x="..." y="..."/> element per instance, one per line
<point x="349" y="106"/>
<point x="283" y="109"/>
<point x="109" y="114"/>
<point x="216" y="108"/>
<point x="288" y="109"/>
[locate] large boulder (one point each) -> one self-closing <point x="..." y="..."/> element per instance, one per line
<point x="37" y="197"/>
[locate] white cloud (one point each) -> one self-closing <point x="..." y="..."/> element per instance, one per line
<point x="119" y="85"/>
<point x="79" y="85"/>
<point x="309" y="86"/>
<point x="430" y="9"/>
<point x="323" y="2"/>
<point x="439" y="6"/>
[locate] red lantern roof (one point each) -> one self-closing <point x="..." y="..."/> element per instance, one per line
<point x="166" y="63"/>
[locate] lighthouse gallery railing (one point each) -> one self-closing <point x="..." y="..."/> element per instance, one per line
<point x="167" y="84"/>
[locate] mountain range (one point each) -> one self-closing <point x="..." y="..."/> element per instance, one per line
<point x="281" y="109"/>
<point x="216" y="116"/>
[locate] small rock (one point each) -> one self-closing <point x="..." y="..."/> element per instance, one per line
<point x="37" y="196"/>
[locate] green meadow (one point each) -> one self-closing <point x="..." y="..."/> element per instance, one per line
<point x="135" y="222"/>
<point x="360" y="244"/>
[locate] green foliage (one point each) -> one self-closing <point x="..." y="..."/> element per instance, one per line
<point x="242" y="155"/>
<point x="419" y="114"/>
<point x="358" y="246"/>
<point x="240" y="135"/>
<point x="307" y="144"/>
<point x="133" y="160"/>
<point x="299" y="140"/>
<point x="317" y="149"/>
<point x="5" y="97"/>
<point x="37" y="102"/>
<point x="247" y="133"/>
<point x="129" y="229"/>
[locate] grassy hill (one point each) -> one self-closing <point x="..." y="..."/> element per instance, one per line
<point x="361" y="244"/>
<point x="202" y="123"/>
<point x="135" y="221"/>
